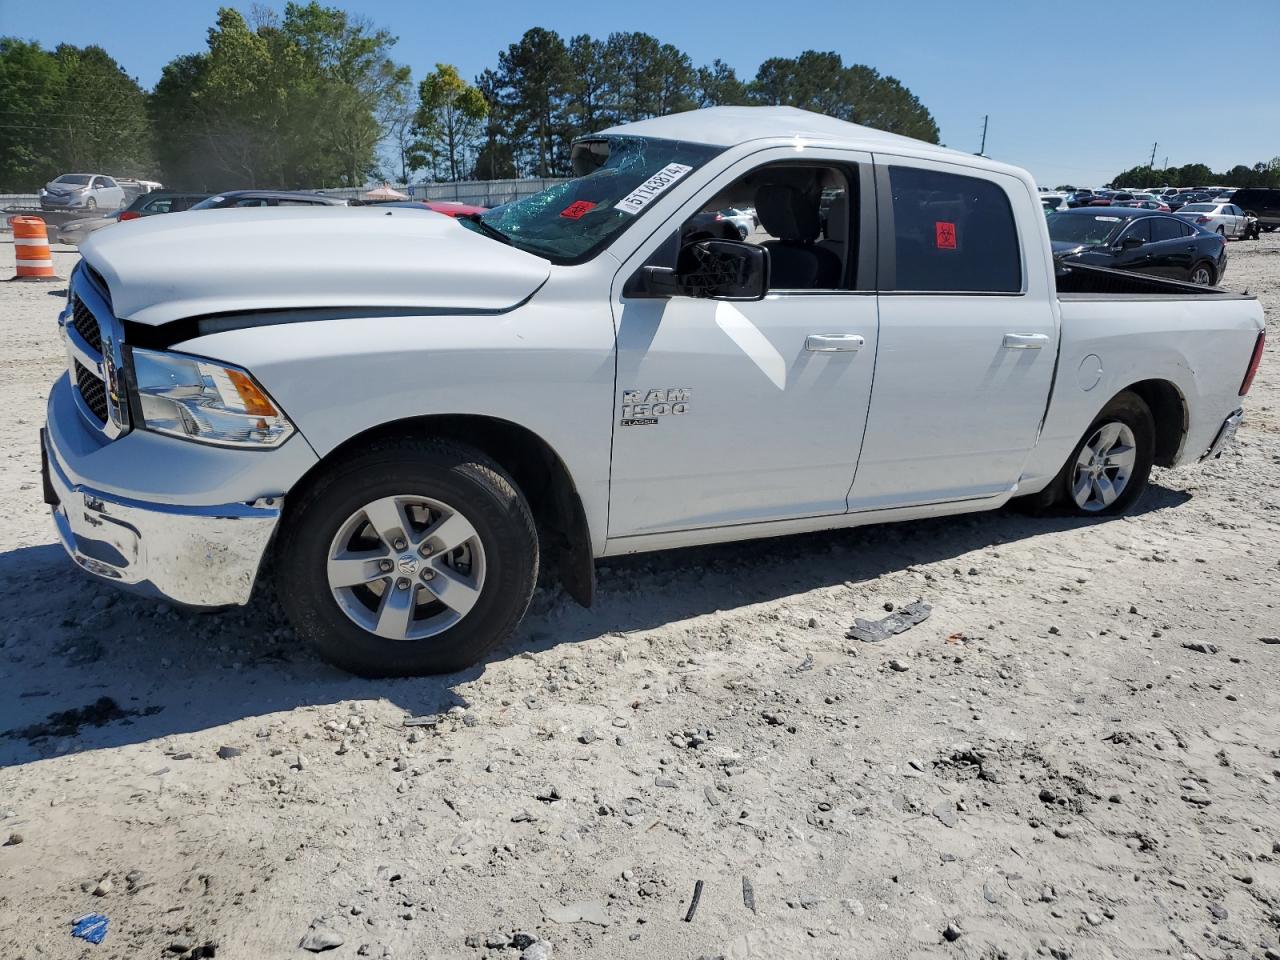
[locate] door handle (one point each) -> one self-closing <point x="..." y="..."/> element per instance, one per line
<point x="1025" y="341"/>
<point x="833" y="342"/>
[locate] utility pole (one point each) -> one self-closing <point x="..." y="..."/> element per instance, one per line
<point x="1152" y="164"/>
<point x="982" y="150"/>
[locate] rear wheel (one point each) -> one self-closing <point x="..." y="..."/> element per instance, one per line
<point x="1109" y="468"/>
<point x="1202" y="274"/>
<point x="412" y="557"/>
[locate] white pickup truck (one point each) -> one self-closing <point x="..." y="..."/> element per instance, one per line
<point x="404" y="416"/>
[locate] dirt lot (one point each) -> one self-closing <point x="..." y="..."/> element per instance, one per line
<point x="1077" y="755"/>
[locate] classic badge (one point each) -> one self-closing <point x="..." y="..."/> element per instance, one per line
<point x="641" y="408"/>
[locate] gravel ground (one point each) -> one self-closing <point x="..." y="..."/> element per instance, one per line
<point x="1076" y="755"/>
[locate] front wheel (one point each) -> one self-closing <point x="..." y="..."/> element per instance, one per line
<point x="91" y="204"/>
<point x="1109" y="468"/>
<point x="412" y="557"/>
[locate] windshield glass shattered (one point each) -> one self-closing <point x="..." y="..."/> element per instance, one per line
<point x="617" y="178"/>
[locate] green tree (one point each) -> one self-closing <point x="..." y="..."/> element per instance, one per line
<point x="588" y="108"/>
<point x="449" y="117"/>
<point x="296" y="100"/>
<point x="718" y="86"/>
<point x="821" y="82"/>
<point x="73" y="108"/>
<point x="647" y="78"/>
<point x="532" y="86"/>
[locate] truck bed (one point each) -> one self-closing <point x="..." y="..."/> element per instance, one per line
<point x="1079" y="281"/>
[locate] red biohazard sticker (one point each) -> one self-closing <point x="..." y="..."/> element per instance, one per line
<point x="944" y="235"/>
<point x="575" y="210"/>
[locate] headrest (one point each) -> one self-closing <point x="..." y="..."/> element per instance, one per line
<point x="787" y="212"/>
<point x="837" y="226"/>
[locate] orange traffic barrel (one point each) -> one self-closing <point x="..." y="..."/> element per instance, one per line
<point x="31" y="249"/>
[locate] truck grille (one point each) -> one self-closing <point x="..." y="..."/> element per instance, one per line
<point x="93" y="333"/>
<point x="86" y="324"/>
<point x="93" y="391"/>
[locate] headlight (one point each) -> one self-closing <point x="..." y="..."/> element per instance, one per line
<point x="206" y="401"/>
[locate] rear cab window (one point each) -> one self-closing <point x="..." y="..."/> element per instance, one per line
<point x="952" y="233"/>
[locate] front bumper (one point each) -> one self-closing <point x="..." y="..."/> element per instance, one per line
<point x="63" y="203"/>
<point x="200" y="556"/>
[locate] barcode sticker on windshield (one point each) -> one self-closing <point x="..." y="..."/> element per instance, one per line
<point x="652" y="188"/>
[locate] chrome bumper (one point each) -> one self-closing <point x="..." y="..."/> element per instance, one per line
<point x="1225" y="433"/>
<point x="204" y="556"/>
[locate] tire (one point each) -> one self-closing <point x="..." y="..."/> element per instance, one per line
<point x="91" y="204"/>
<point x="1130" y="413"/>
<point x="742" y="233"/>
<point x="1203" y="274"/>
<point x="420" y="484"/>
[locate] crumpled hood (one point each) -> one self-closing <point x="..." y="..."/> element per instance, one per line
<point x="204" y="262"/>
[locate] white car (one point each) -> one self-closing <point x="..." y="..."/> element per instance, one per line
<point x="82" y="191"/>
<point x="744" y="220"/>
<point x="407" y="417"/>
<point x="1054" y="201"/>
<point x="1224" y="218"/>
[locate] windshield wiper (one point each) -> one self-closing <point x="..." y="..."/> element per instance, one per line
<point x="486" y="229"/>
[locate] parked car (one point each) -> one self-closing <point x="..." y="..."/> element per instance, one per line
<point x="1055" y="201"/>
<point x="144" y="205"/>
<point x="81" y="191"/>
<point x="268" y="198"/>
<point x="1224" y="218"/>
<point x="1158" y="205"/>
<point x="409" y="417"/>
<point x="1124" y="238"/>
<point x="743" y="220"/>
<point x="1261" y="203"/>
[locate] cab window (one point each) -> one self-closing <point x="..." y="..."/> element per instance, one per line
<point x="952" y="233"/>
<point x="800" y="213"/>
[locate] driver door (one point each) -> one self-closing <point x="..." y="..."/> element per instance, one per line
<point x="743" y="412"/>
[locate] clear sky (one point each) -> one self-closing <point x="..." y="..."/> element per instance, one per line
<point x="1076" y="91"/>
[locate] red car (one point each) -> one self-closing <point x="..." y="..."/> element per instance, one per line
<point x="453" y="208"/>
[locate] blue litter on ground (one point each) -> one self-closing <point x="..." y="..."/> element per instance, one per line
<point x="91" y="927"/>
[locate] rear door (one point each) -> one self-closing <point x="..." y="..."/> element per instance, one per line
<point x="1173" y="247"/>
<point x="968" y="336"/>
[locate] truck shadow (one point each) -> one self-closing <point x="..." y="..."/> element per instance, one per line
<point x="85" y="667"/>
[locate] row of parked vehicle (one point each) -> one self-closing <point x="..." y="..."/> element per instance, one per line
<point x="168" y="201"/>
<point x="1241" y="214"/>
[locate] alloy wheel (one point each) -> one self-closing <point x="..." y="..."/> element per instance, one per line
<point x="406" y="567"/>
<point x="1104" y="466"/>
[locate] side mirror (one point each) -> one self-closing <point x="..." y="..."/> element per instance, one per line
<point x="707" y="269"/>
<point x="1131" y="243"/>
<point x="723" y="270"/>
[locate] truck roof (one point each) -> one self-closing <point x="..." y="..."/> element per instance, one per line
<point x="727" y="126"/>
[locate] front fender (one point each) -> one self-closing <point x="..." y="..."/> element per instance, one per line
<point x="546" y="367"/>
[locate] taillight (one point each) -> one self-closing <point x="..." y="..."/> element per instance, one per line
<point x="1254" y="361"/>
<point x="131" y="215"/>
<point x="719" y="217"/>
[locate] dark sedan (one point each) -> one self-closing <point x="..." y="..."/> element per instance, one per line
<point x="268" y="198"/>
<point x="1126" y="238"/>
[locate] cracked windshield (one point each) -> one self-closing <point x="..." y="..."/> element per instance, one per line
<point x="617" y="178"/>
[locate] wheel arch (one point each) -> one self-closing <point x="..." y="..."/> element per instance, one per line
<point x="533" y="464"/>
<point x="1169" y="410"/>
